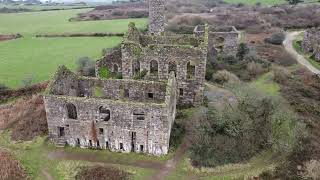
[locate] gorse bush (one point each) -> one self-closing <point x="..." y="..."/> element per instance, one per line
<point x="86" y="67"/>
<point x="240" y="131"/>
<point x="276" y="38"/>
<point x="3" y="87"/>
<point x="222" y="77"/>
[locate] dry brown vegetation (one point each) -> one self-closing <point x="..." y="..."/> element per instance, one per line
<point x="26" y="117"/>
<point x="251" y="19"/>
<point x="302" y="90"/>
<point x="101" y="173"/>
<point x="120" y="11"/>
<point x="10" y="169"/>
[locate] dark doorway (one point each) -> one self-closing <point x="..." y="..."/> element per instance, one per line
<point x="133" y="141"/>
<point x="141" y="148"/>
<point x="61" y="131"/>
<point x="78" y="142"/>
<point x="107" y="145"/>
<point x="90" y="143"/>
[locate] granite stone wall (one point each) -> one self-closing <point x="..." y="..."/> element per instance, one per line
<point x="311" y="42"/>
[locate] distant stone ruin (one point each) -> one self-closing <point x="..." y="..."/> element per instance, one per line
<point x="222" y="40"/>
<point x="311" y="43"/>
<point x="136" y="112"/>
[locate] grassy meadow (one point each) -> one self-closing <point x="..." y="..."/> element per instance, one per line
<point x="39" y="57"/>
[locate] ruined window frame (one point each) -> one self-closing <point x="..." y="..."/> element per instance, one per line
<point x="104" y="113"/>
<point x="191" y="70"/>
<point x="138" y="115"/>
<point x="170" y="65"/>
<point x="71" y="111"/>
<point x="154" y="67"/>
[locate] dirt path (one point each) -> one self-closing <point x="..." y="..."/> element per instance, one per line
<point x="290" y="37"/>
<point x="63" y="155"/>
<point x="46" y="174"/>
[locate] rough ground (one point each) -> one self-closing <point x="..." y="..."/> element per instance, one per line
<point x="10" y="169"/>
<point x="26" y="117"/>
<point x="290" y="37"/>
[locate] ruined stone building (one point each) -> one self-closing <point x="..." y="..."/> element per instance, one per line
<point x="117" y="114"/>
<point x="311" y="42"/>
<point x="220" y="39"/>
<point x="135" y="110"/>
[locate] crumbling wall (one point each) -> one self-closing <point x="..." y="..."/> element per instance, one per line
<point x="151" y="133"/>
<point x="122" y="89"/>
<point x="131" y="125"/>
<point x="156" y="16"/>
<point x="311" y="42"/>
<point x="317" y="53"/>
<point x="221" y="40"/>
<point x="191" y="88"/>
<point x="111" y="61"/>
<point x="64" y="83"/>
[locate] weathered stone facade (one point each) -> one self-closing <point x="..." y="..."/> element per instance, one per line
<point x="156" y="16"/>
<point x="112" y="60"/>
<point x="311" y="42"/>
<point x="119" y="115"/>
<point x="221" y="40"/>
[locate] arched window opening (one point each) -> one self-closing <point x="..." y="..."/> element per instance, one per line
<point x="138" y="115"/>
<point x="154" y="67"/>
<point x="220" y="40"/>
<point x="172" y="67"/>
<point x="136" y="68"/>
<point x="72" y="111"/>
<point x="191" y="69"/>
<point x="115" y="68"/>
<point x="104" y="113"/>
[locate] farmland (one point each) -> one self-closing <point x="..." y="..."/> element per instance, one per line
<point x="38" y="58"/>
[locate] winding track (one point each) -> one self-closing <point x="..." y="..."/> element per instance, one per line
<point x="287" y="43"/>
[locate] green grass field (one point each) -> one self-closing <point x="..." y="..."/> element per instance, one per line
<point x="39" y="57"/>
<point x="41" y="7"/>
<point x="263" y="2"/>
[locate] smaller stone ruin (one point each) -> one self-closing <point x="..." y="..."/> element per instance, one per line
<point x="311" y="43"/>
<point x="222" y="40"/>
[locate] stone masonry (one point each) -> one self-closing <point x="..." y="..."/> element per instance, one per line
<point x="119" y="115"/>
<point x="156" y="16"/>
<point x="221" y="40"/>
<point x="311" y="42"/>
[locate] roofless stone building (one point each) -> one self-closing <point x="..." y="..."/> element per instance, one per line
<point x="134" y="113"/>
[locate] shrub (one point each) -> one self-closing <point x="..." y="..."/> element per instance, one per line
<point x="104" y="73"/>
<point x="3" y="87"/>
<point x="255" y="69"/>
<point x="243" y="50"/>
<point x="224" y="76"/>
<point x="86" y="67"/>
<point x="138" y="14"/>
<point x="140" y="75"/>
<point x="28" y="80"/>
<point x="276" y="38"/>
<point x="242" y="130"/>
<point x="280" y="74"/>
<point x="101" y="173"/>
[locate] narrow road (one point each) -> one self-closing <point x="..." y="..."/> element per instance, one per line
<point x="290" y="37"/>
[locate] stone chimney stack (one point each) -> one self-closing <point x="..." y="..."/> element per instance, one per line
<point x="156" y="16"/>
